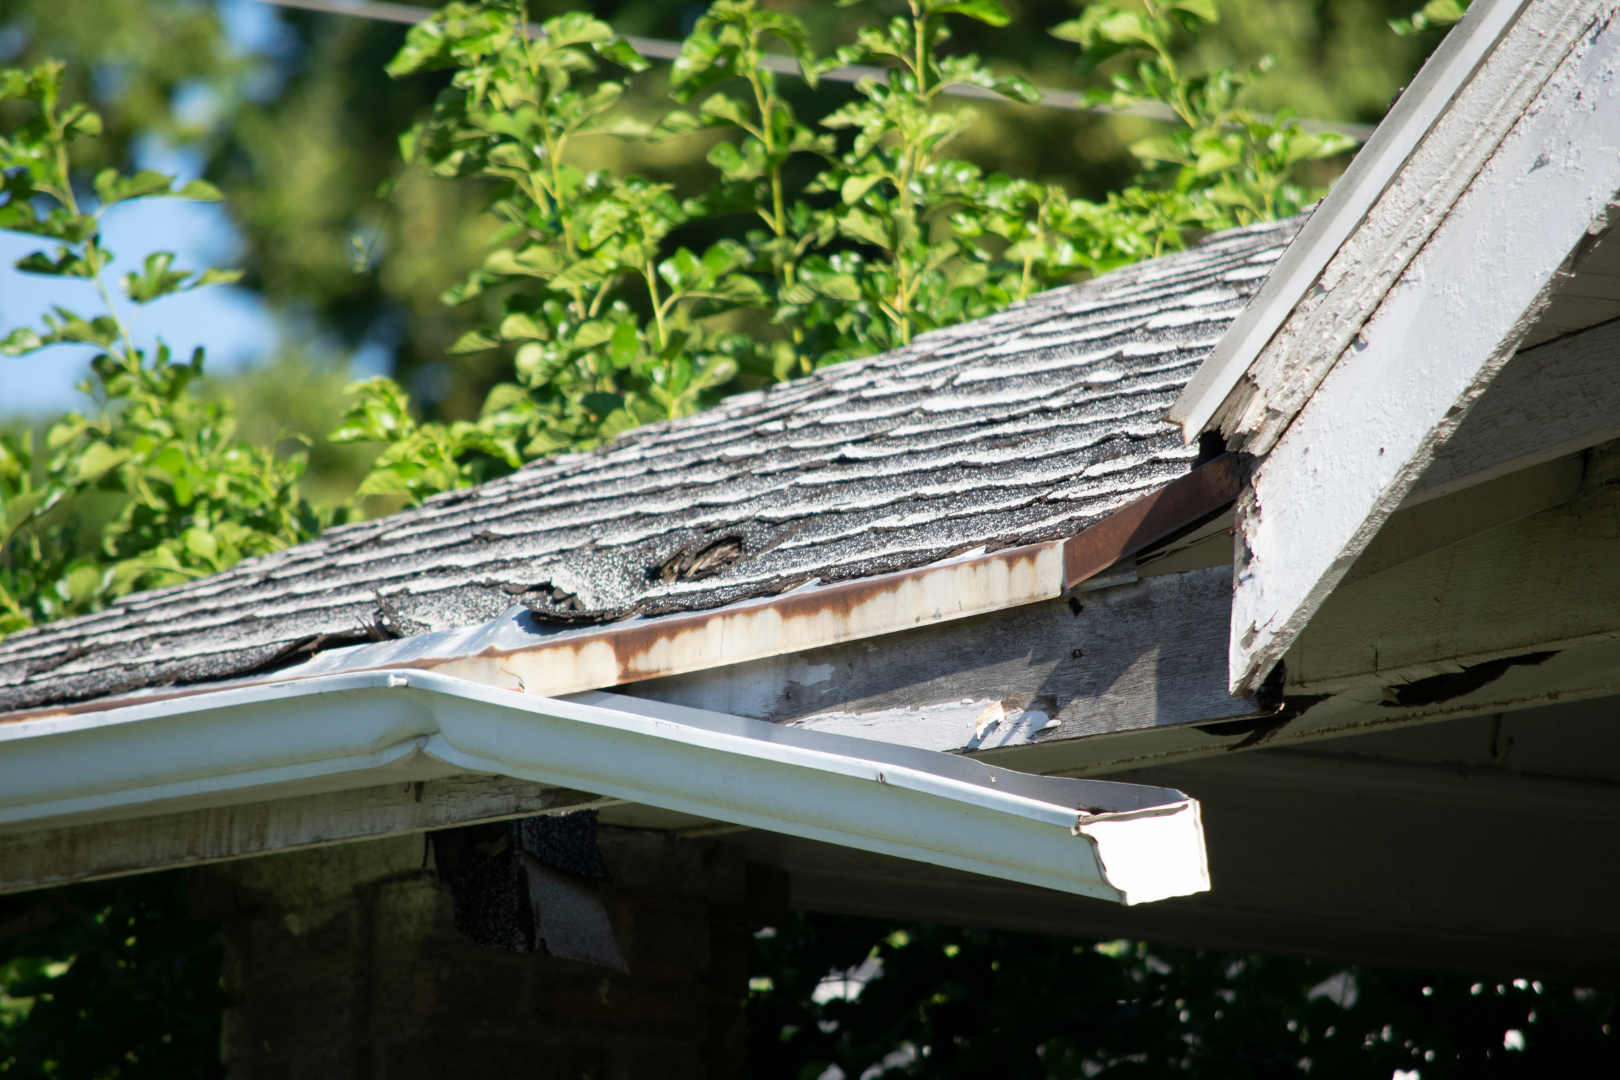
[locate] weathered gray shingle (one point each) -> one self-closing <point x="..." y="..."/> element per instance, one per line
<point x="1021" y="427"/>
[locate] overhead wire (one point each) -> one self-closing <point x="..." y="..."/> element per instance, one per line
<point x="657" y="49"/>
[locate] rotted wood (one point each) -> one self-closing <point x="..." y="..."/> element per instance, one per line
<point x="48" y="857"/>
<point x="1135" y="657"/>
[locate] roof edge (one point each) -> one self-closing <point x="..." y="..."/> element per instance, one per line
<point x="1335" y="219"/>
<point x="515" y="652"/>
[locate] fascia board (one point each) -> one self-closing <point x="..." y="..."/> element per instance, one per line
<point x="1374" y="168"/>
<point x="1122" y="842"/>
<point x="1427" y="353"/>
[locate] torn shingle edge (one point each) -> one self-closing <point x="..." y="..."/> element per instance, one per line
<point x="517" y="652"/>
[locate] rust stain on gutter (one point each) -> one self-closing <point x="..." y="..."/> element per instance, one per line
<point x="808" y="618"/>
<point x="870" y="607"/>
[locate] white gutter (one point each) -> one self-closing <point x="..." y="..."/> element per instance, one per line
<point x="1123" y="842"/>
<point x="1379" y="162"/>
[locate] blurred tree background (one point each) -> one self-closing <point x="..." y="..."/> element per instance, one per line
<point x="297" y="122"/>
<point x="289" y="112"/>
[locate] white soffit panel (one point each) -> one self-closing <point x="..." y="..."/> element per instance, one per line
<point x="1123" y="842"/>
<point x="1370" y="173"/>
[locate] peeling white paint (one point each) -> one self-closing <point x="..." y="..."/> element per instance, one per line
<point x="1437" y="339"/>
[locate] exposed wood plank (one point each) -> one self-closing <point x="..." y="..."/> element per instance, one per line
<point x="1414" y="531"/>
<point x="58" y="856"/>
<point x="1548" y="402"/>
<point x="1437" y="338"/>
<point x="1134" y="657"/>
<point x="1546" y="582"/>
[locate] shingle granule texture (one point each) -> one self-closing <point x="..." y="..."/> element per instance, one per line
<point x="1025" y="426"/>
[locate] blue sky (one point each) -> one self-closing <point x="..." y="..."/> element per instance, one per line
<point x="234" y="324"/>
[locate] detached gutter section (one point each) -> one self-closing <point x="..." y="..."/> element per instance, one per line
<point x="1123" y="842"/>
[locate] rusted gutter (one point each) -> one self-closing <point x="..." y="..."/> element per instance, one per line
<point x="517" y="653"/>
<point x="810" y="618"/>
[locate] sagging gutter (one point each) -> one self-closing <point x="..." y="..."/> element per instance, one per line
<point x="1123" y="842"/>
<point x="518" y="653"/>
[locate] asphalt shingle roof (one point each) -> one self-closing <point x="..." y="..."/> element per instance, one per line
<point x="1021" y="427"/>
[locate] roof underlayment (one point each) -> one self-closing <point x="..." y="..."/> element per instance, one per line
<point x="1023" y="427"/>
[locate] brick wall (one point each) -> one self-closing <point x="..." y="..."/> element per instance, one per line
<point x="342" y="963"/>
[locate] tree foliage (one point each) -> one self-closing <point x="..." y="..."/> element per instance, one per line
<point x="155" y="472"/>
<point x="109" y="981"/>
<point x="872" y="998"/>
<point x="613" y="322"/>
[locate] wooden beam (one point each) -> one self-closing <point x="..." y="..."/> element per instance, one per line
<point x="1438" y="334"/>
<point x="35" y="860"/>
<point x="1549" y="402"/>
<point x="1141" y="656"/>
<point x="1414" y="531"/>
<point x="1544" y="583"/>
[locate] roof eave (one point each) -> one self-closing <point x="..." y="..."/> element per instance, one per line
<point x="515" y="654"/>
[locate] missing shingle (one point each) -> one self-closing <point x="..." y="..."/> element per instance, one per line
<point x="694" y="563"/>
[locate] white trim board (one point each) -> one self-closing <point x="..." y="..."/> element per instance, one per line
<point x="1374" y="168"/>
<point x="1435" y="340"/>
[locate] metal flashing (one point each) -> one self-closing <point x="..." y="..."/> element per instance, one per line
<point x="516" y="652"/>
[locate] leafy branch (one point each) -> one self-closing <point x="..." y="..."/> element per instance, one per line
<point x="151" y="488"/>
<point x="610" y="323"/>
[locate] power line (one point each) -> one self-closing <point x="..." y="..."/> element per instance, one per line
<point x="786" y="65"/>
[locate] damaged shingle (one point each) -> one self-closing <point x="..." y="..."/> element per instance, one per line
<point x="1025" y="426"/>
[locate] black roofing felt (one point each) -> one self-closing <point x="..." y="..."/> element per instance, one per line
<point x="1025" y="426"/>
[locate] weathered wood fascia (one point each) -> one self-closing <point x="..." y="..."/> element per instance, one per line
<point x="549" y="664"/>
<point x="49" y="857"/>
<point x="1325" y="322"/>
<point x="1372" y="427"/>
<point x="1145" y="656"/>
<point x="1386" y="154"/>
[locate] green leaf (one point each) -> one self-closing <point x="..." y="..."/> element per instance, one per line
<point x="986" y="11"/>
<point x="474" y="341"/>
<point x="21" y="341"/>
<point x="112" y="188"/>
<point x="215" y="276"/>
<point x="201" y="191"/>
<point x="855" y="187"/>
<point x="626" y="342"/>
<point x="67" y="263"/>
<point x="156" y="279"/>
<point x="594" y="333"/>
<point x="1206" y="11"/>
<point x="97" y="459"/>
